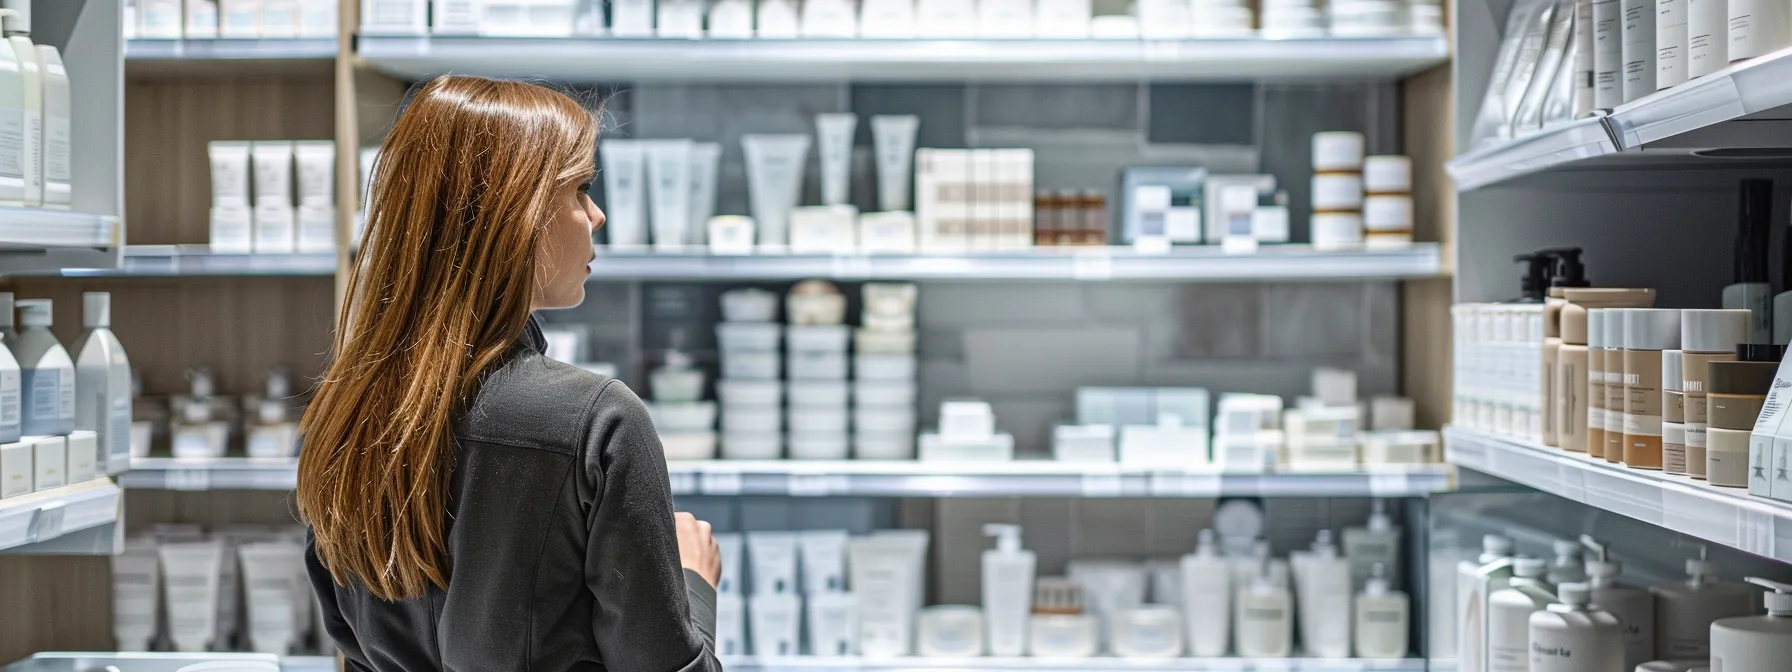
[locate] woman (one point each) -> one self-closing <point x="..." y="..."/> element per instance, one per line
<point x="473" y="504"/>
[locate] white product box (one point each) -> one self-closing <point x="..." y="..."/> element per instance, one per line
<point x="817" y="338"/>
<point x="394" y="17"/>
<point x="818" y="420"/>
<point x="280" y="19"/>
<point x="876" y="342"/>
<point x="818" y="393"/>
<point x="752" y="445"/>
<point x="884" y="393"/>
<point x="752" y="420"/>
<point x="739" y="337"/>
<point x="884" y="421"/>
<point x="1400" y="447"/>
<point x="454" y="17"/>
<point x="818" y="446"/>
<point x="750" y="393"/>
<point x="887" y="232"/>
<point x="532" y="18"/>
<point x="752" y="365"/>
<point x="1005" y="19"/>
<point x="885" y="367"/>
<point x="16" y="469"/>
<point x="967" y="421"/>
<point x="83" y="456"/>
<point x="817" y="365"/>
<point x="1083" y="443"/>
<point x="883" y="447"/>
<point x="50" y="455"/>
<point x="161" y="20"/>
<point x="887" y="18"/>
<point x="997" y="448"/>
<point x="1168" y="445"/>
<point x="824" y="229"/>
<point x="830" y="19"/>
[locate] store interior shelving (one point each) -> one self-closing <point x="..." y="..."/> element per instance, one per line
<point x="154" y="261"/>
<point x="160" y="662"/>
<point x="72" y="519"/>
<point x="144" y="50"/>
<point x="812" y="664"/>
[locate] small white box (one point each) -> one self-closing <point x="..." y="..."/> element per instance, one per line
<point x="737" y="337"/>
<point x="875" y="342"/>
<point x="818" y="393"/>
<point x="887" y="19"/>
<point x="1083" y="443"/>
<point x="967" y="421"/>
<point x="997" y="448"/>
<point x="887" y="233"/>
<point x="885" y="367"/>
<point x="1322" y="456"/>
<point x="752" y="445"/>
<point x="750" y="393"/>
<point x="817" y="420"/>
<point x="1391" y="413"/>
<point x="1334" y="387"/>
<point x="817" y="365"/>
<point x="817" y="338"/>
<point x="1164" y="446"/>
<point x="1330" y="424"/>
<point x="824" y="229"/>
<point x="50" y="455"/>
<point x="751" y="365"/>
<point x="818" y="446"/>
<point x="394" y="17"/>
<point x="884" y="420"/>
<point x="83" y="455"/>
<point x="752" y="421"/>
<point x="15" y="469"/>
<point x="884" y="393"/>
<point x="1397" y="447"/>
<point x="830" y="19"/>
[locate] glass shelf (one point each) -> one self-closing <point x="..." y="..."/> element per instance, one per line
<point x="52" y="521"/>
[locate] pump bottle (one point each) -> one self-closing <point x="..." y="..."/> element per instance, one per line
<point x="1751" y="290"/>
<point x="18" y="37"/>
<point x="1207" y="599"/>
<point x="1634" y="607"/>
<point x="1509" y="616"/>
<point x="1476" y="580"/>
<point x="1265" y="618"/>
<point x="1573" y="635"/>
<point x="12" y="125"/>
<point x="1568" y="566"/>
<point x="1381" y="619"/>
<point x="1007" y="591"/>
<point x="47" y="375"/>
<point x="103" y="383"/>
<point x="1567" y="273"/>
<point x="1756" y="643"/>
<point x="1685" y="611"/>
<point x="1322" y="582"/>
<point x="1377" y="543"/>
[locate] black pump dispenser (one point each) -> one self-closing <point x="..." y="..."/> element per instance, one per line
<point x="1535" y="284"/>
<point x="1568" y="269"/>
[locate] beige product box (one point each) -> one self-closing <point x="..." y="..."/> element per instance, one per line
<point x="824" y="229"/>
<point x="50" y="453"/>
<point x="83" y="455"/>
<point x="15" y="469"/>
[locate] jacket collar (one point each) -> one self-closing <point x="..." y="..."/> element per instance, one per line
<point x="533" y="338"/>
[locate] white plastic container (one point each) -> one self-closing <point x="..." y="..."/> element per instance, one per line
<point x="882" y="421"/>
<point x="818" y="445"/>
<point x="752" y="365"/>
<point x="690" y="416"/>
<point x="816" y="338"/>
<point x="1150" y="632"/>
<point x="884" y="393"/>
<point x="871" y="342"/>
<point x="950" y="631"/>
<point x="883" y="447"/>
<point x="1574" y="635"/>
<point x="689" y="445"/>
<point x="1382" y="618"/>
<point x="1756" y="643"/>
<point x="750" y="393"/>
<point x="818" y="420"/>
<point x="817" y="365"/>
<point x="752" y="421"/>
<point x="740" y="445"/>
<point x="885" y="367"/>
<point x="737" y="337"/>
<point x="749" y="305"/>
<point x="809" y="394"/>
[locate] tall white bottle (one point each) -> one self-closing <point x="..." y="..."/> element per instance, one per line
<point x="1265" y="618"/>
<point x="1475" y="580"/>
<point x="1207" y="599"/>
<point x="1684" y="611"/>
<point x="1322" y="580"/>
<point x="1572" y="635"/>
<point x="1756" y="643"/>
<point x="12" y="126"/>
<point x="1382" y="615"/>
<point x="103" y="383"/>
<point x="1376" y="543"/>
<point x="1509" y="616"/>
<point x="58" y="157"/>
<point x="47" y="375"/>
<point x="1634" y="607"/>
<point x="18" y="36"/>
<point x="1007" y="591"/>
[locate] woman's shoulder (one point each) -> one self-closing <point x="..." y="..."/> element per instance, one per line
<point x="533" y="400"/>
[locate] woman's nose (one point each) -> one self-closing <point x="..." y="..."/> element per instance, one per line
<point x="597" y="215"/>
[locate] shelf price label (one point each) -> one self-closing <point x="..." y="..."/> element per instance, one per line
<point x="47" y="524"/>
<point x="720" y="482"/>
<point x="1754" y="532"/>
<point x="850" y="266"/>
<point x="1101" y="485"/>
<point x="683" y="483"/>
<point x="187" y="480"/>
<point x="816" y="485"/>
<point x="1092" y="265"/>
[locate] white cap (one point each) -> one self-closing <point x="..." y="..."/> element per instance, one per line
<point x="1778" y="597"/>
<point x="1529" y="568"/>
<point x="1651" y="329"/>
<point x="20" y="21"/>
<point x="1007" y="536"/>
<point x="1673" y="370"/>
<point x="1377" y="584"/>
<point x="96" y="310"/>
<point x="1323" y="546"/>
<point x="35" y="312"/>
<point x="1596" y="328"/>
<point x="1494" y="544"/>
<point x="1577" y="594"/>
<point x="1713" y="330"/>
<point x="1387" y="174"/>
<point x="1338" y="150"/>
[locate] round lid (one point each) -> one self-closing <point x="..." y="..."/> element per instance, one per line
<point x="1337" y="150"/>
<point x="1673" y="370"/>
<point x="1387" y="174"/>
<point x="21" y="21"/>
<point x="1612" y="327"/>
<point x="1596" y="328"/>
<point x="1529" y="568"/>
<point x="1651" y="329"/>
<point x="1567" y="548"/>
<point x="1713" y="330"/>
<point x="35" y="312"/>
<point x="1238" y="518"/>
<point x="1604" y="569"/>
<point x="96" y="310"/>
<point x="1760" y="352"/>
<point x="1575" y="594"/>
<point x="1494" y="544"/>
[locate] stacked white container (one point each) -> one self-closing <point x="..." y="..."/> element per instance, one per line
<point x="884" y="391"/>
<point x="750" y="390"/>
<point x="1368" y="18"/>
<point x="816" y="357"/>
<point x="1387" y="205"/>
<point x="1227" y="18"/>
<point x="1285" y="19"/>
<point x="1337" y="190"/>
<point x="1424" y="17"/>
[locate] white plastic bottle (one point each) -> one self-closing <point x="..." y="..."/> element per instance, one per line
<point x="1572" y="635"/>
<point x="47" y="375"/>
<point x="1376" y="543"/>
<point x="1007" y="591"/>
<point x="1207" y="599"/>
<point x="1756" y="643"/>
<point x="1684" y="611"/>
<point x="1265" y="619"/>
<point x="9" y="334"/>
<point x="58" y="149"/>
<point x="11" y="412"/>
<point x="12" y="126"/>
<point x="1475" y="580"/>
<point x="18" y="36"/>
<point x="103" y="383"/>
<point x="1322" y="580"/>
<point x="1634" y="607"/>
<point x="1509" y="616"/>
<point x="1568" y="567"/>
<point x="1382" y="615"/>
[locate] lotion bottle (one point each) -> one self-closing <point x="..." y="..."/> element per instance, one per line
<point x="1325" y="593"/>
<point x="1634" y="607"/>
<point x="103" y="383"/>
<point x="1265" y="618"/>
<point x="1573" y="635"/>
<point x="1475" y="580"/>
<point x="12" y="126"/>
<point x="1376" y="543"/>
<point x="47" y="376"/>
<point x="1509" y="616"/>
<point x="1207" y="599"/>
<point x="1756" y="643"/>
<point x="18" y="36"/>
<point x="1007" y="590"/>
<point x="1381" y="619"/>
<point x="58" y="144"/>
<point x="1751" y="290"/>
<point x="1684" y="611"/>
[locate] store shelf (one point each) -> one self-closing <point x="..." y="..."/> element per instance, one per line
<point x="733" y="61"/>
<point x="230" y="49"/>
<point x="1205" y="263"/>
<point x="34" y="523"/>
<point x="154" y="261"/>
<point x="40" y="240"/>
<point x="159" y="662"/>
<point x="811" y="664"/>
<point x="1725" y="516"/>
<point x="854" y="478"/>
<point x="1666" y="117"/>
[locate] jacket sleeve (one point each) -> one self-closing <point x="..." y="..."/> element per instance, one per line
<point x="651" y="615"/>
<point x="335" y="625"/>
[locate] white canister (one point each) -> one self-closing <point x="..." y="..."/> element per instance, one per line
<point x="1337" y="230"/>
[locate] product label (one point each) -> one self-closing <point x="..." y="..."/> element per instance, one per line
<point x="1596" y="390"/>
<point x="12" y="151"/>
<point x="1642" y="392"/>
<point x="1706" y="35"/>
<point x="9" y="403"/>
<point x="1673" y="406"/>
<point x="1639" y="48"/>
<point x="56" y="150"/>
<point x="1673" y="457"/>
<point x="34" y="158"/>
<point x="43" y="395"/>
<point x="1695" y="367"/>
<point x="1608" y="89"/>
<point x="1670" y="42"/>
<point x="115" y="443"/>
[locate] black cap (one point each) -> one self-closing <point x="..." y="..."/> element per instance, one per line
<point x="1569" y="272"/>
<point x="1536" y="274"/>
<point x="1760" y="352"/>
<point x="1754" y="230"/>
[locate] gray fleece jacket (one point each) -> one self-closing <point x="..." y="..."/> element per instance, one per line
<point x="561" y="542"/>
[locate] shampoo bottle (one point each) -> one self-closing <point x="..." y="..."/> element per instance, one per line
<point x="1573" y="635"/>
<point x="12" y="126"/>
<point x="1475" y="580"/>
<point x="18" y="36"/>
<point x="1207" y="599"/>
<point x="1756" y="643"/>
<point x="1325" y="594"/>
<point x="1751" y="290"/>
<point x="103" y="383"/>
<point x="1684" y="611"/>
<point x="1509" y="616"/>
<point x="1007" y="591"/>
<point x="58" y="145"/>
<point x="47" y="375"/>
<point x="1376" y="543"/>
<point x="1381" y="619"/>
<point x="1634" y="607"/>
<point x="1265" y="619"/>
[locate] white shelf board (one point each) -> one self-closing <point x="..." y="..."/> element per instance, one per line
<point x="152" y="261"/>
<point x="1098" y="664"/>
<point x="856" y="478"/>
<point x="130" y="661"/>
<point x="1724" y="516"/>
<point x="1743" y="89"/>
<point x="1202" y="263"/>
<point x="40" y="240"/>
<point x="230" y="49"/>
<point x="43" y="517"/>
<point x="597" y="59"/>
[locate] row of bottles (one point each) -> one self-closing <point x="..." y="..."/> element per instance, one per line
<point x="45" y="392"/>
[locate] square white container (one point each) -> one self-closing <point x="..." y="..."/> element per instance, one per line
<point x="820" y="446"/>
<point x="752" y="421"/>
<point x="749" y="305"/>
<point x="50" y="454"/>
<point x="1083" y="443"/>
<point x="16" y="462"/>
<point x="689" y="445"/>
<point x="1171" y="447"/>
<point x="750" y="393"/>
<point x="885" y="367"/>
<point x="883" y="446"/>
<point x="884" y="420"/>
<point x="884" y="393"/>
<point x="882" y="322"/>
<point x="735" y="337"/>
<point x="751" y="365"/>
<point x="693" y="416"/>
<point x="818" y="394"/>
<point x="817" y="365"/>
<point x="816" y="338"/>
<point x="998" y="448"/>
<point x="817" y="420"/>
<point x="869" y="342"/>
<point x="752" y="445"/>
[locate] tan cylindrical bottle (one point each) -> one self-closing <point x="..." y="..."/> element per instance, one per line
<point x="1569" y="399"/>
<point x="1735" y="393"/>
<point x="1552" y="349"/>
<point x="1647" y="333"/>
<point x="1706" y="336"/>
<point x="1617" y="394"/>
<point x="1673" y="412"/>
<point x="1581" y="424"/>
<point x="1596" y="352"/>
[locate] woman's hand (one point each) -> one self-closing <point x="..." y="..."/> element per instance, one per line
<point x="697" y="549"/>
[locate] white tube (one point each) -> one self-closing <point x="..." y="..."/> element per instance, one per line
<point x="728" y="545"/>
<point x="775" y="165"/>
<point x="835" y="132"/>
<point x="190" y="572"/>
<point x="136" y="590"/>
<point x="316" y="160"/>
<point x="706" y="162"/>
<point x="669" y="190"/>
<point x="894" y="140"/>
<point x="824" y="561"/>
<point x="273" y="197"/>
<point x="57" y="151"/>
<point x="267" y="570"/>
<point x="773" y="555"/>
<point x="886" y="579"/>
<point x="625" y="192"/>
<point x="230" y="196"/>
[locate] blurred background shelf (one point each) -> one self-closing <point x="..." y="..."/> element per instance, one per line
<point x="1033" y="60"/>
<point x="76" y="519"/>
<point x="1100" y="664"/>
<point x="159" y="662"/>
<point x="229" y="49"/>
<point x="154" y="261"/>
<point x="42" y="240"/>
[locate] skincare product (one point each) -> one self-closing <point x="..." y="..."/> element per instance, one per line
<point x="1617" y="394"/>
<point x="1323" y="586"/>
<point x="833" y="624"/>
<point x="273" y="214"/>
<point x="731" y="20"/>
<point x="102" y="381"/>
<point x="1736" y="394"/>
<point x="1376" y="543"/>
<point x="18" y="36"/>
<point x="1769" y="447"/>
<point x="1150" y="632"/>
<point x="1509" y="614"/>
<point x="1673" y="411"/>
<point x="1647" y="333"/>
<point x="778" y="19"/>
<point x="1265" y="619"/>
<point x="1575" y="635"/>
<point x="729" y="547"/>
<point x="1634" y="607"/>
<point x="1751" y="289"/>
<point x="1382" y="615"/>
<point x="190" y="574"/>
<point x="12" y="127"/>
<point x="824" y="229"/>
<point x="1755" y="643"/>
<point x="267" y="571"/>
<point x="945" y="19"/>
<point x="201" y="19"/>
<point x="1596" y="371"/>
<point x="230" y="216"/>
<point x="1062" y="636"/>
<point x="774" y="560"/>
<point x="316" y="162"/>
<point x="625" y="191"/>
<point x="830" y="19"/>
<point x="1579" y="377"/>
<point x="731" y="625"/>
<point x="1684" y="611"/>
<point x="58" y="144"/>
<point x="679" y="19"/>
<point x="1758" y="28"/>
<point x="1007" y="590"/>
<point x="950" y="631"/>
<point x="706" y="164"/>
<point x="824" y="561"/>
<point x="729" y="234"/>
<point x="16" y="465"/>
<point x="241" y="19"/>
<point x="1707" y="36"/>
<point x="668" y="188"/>
<point x="271" y="432"/>
<point x="835" y="132"/>
<point x="1567" y="567"/>
<point x="886" y="19"/>
<point x="886" y="575"/>
<point x="1670" y="43"/>
<point x="1207" y="593"/>
<point x="775" y="623"/>
<point x="1608" y="54"/>
<point x="11" y="394"/>
<point x="1638" y="49"/>
<point x="893" y="141"/>
<point x="775" y="165"/>
<point x="49" y="456"/>
<point x="47" y="375"/>
<point x="136" y="596"/>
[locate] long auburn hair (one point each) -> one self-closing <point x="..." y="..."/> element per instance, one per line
<point x="462" y="190"/>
